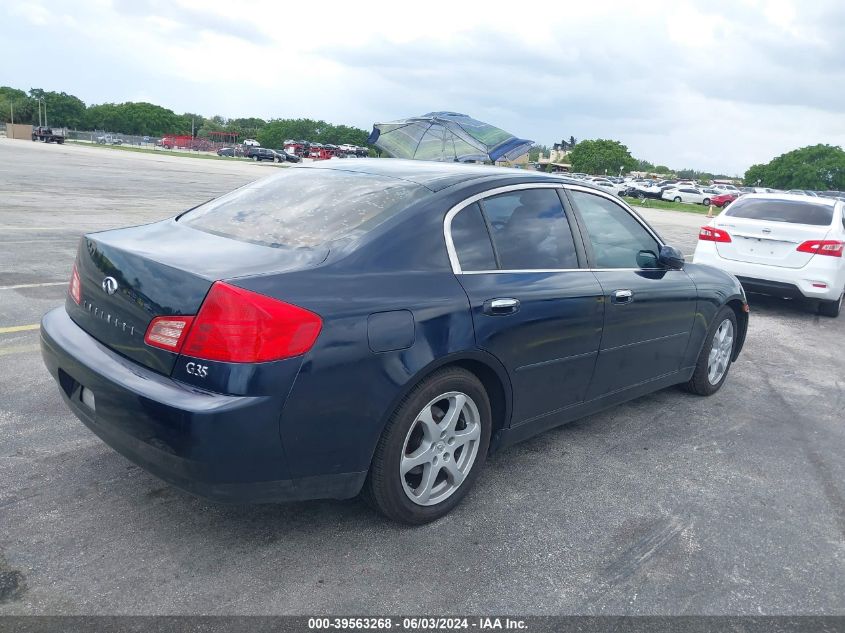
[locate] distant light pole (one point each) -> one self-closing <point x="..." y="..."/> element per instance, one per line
<point x="605" y="171"/>
<point x="621" y="167"/>
<point x="40" y="102"/>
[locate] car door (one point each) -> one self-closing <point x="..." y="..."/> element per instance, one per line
<point x="649" y="310"/>
<point x="535" y="306"/>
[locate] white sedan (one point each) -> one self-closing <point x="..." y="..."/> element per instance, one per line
<point x="781" y="244"/>
<point x="610" y="187"/>
<point x="687" y="194"/>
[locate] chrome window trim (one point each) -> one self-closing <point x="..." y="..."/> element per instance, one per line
<point x="556" y="270"/>
<point x="450" y="244"/>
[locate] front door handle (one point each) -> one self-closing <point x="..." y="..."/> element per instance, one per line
<point x="501" y="307"/>
<point x="622" y="296"/>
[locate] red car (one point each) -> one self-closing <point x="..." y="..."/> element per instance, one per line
<point x="723" y="199"/>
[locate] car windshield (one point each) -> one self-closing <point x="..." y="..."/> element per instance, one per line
<point x="304" y="208"/>
<point x="792" y="211"/>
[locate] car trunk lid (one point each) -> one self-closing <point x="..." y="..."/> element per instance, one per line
<point x="768" y="230"/>
<point x="771" y="243"/>
<point x="130" y="276"/>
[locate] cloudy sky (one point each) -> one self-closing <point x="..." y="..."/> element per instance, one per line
<point x="711" y="84"/>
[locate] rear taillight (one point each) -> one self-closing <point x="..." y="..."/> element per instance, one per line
<point x="712" y="234"/>
<point x="831" y="248"/>
<point x="168" y="332"/>
<point x="75" y="288"/>
<point x="239" y="326"/>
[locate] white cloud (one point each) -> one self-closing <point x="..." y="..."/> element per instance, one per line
<point x="714" y="84"/>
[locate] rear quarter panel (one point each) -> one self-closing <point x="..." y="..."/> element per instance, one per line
<point x="344" y="391"/>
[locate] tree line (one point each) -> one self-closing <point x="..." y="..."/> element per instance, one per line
<point x="147" y="119"/>
<point x="816" y="167"/>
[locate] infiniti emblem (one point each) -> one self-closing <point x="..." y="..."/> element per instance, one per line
<point x="109" y="285"/>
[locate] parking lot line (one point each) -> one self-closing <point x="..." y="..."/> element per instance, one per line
<point x="46" y="283"/>
<point x="55" y="240"/>
<point x="19" y="328"/>
<point x="19" y="349"/>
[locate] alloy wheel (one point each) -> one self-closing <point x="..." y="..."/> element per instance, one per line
<point x="440" y="448"/>
<point x="720" y="352"/>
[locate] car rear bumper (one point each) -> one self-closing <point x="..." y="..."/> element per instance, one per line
<point x="222" y="447"/>
<point x="772" y="280"/>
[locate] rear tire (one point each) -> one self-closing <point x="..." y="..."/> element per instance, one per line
<point x="255" y="158"/>
<point x="706" y="202"/>
<point x="432" y="448"/>
<point x="714" y="360"/>
<point x="831" y="308"/>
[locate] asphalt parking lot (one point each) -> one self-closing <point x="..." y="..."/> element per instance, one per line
<point x="671" y="504"/>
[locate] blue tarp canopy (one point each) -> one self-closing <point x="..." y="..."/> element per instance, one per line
<point x="446" y="136"/>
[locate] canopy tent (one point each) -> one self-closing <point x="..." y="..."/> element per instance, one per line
<point x="446" y="136"/>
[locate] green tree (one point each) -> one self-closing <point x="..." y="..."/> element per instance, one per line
<point x="600" y="156"/>
<point x="62" y="109"/>
<point x="18" y="102"/>
<point x="139" y="118"/>
<point x="277" y="131"/>
<point x="816" y="167"/>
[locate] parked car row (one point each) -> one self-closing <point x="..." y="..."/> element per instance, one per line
<point x="324" y="151"/>
<point x="258" y="154"/>
<point x="719" y="194"/>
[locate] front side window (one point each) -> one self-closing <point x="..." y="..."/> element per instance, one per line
<point x="618" y="240"/>
<point x="530" y="230"/>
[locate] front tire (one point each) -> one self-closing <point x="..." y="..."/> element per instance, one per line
<point x="432" y="449"/>
<point x="706" y="202"/>
<point x="714" y="361"/>
<point x="831" y="308"/>
<point x="677" y="199"/>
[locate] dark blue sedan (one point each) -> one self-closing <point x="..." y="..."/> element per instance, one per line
<point x="377" y="328"/>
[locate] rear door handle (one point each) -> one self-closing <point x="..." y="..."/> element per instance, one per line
<point x="501" y="307"/>
<point x="622" y="296"/>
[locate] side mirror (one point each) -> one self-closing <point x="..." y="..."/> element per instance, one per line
<point x="671" y="258"/>
<point x="647" y="259"/>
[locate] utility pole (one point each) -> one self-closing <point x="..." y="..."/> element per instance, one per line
<point x="38" y="103"/>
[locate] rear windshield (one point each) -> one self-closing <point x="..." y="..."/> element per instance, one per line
<point x="793" y="211"/>
<point x="304" y="208"/>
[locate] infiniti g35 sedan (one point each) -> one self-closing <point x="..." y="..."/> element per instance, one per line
<point x="377" y="328"/>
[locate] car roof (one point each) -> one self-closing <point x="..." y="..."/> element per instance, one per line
<point x="432" y="175"/>
<point x="791" y="196"/>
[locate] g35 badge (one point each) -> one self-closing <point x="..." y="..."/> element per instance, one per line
<point x="195" y="369"/>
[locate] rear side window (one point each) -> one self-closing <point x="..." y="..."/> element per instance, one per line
<point x="530" y="230"/>
<point x="792" y="211"/>
<point x="471" y="240"/>
<point x="304" y="208"/>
